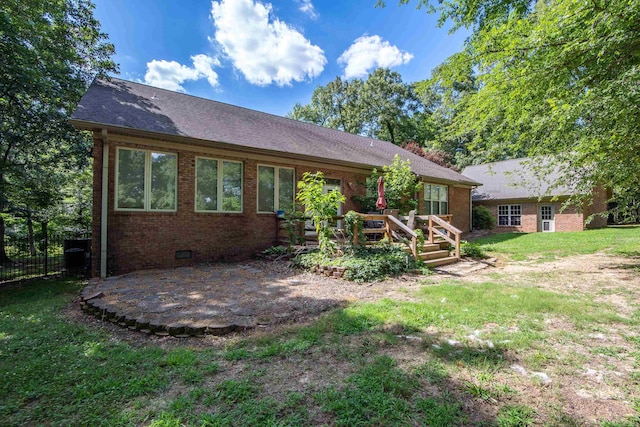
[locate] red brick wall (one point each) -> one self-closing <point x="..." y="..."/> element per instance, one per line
<point x="529" y="218"/>
<point x="143" y="240"/>
<point x="571" y="219"/>
<point x="597" y="205"/>
<point x="459" y="207"/>
<point x="459" y="198"/>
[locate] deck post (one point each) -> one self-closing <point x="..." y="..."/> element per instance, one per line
<point x="355" y="234"/>
<point x="430" y="230"/>
<point x="414" y="248"/>
<point x="387" y="228"/>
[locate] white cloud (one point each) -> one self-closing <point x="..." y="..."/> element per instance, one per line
<point x="264" y="50"/>
<point x="369" y="52"/>
<point x="307" y="8"/>
<point x="171" y="74"/>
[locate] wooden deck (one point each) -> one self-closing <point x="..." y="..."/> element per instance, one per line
<point x="441" y="239"/>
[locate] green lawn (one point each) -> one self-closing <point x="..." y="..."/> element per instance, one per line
<point x="442" y="356"/>
<point x="624" y="240"/>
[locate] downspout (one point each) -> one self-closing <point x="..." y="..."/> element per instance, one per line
<point x="105" y="204"/>
<point x="471" y="209"/>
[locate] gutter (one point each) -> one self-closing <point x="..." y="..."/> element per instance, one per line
<point x="105" y="204"/>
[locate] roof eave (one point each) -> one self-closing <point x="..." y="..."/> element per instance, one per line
<point x="96" y="126"/>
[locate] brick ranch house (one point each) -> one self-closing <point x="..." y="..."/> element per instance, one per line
<point x="180" y="179"/>
<point x="521" y="202"/>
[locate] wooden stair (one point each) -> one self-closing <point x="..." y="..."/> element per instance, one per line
<point x="445" y="238"/>
<point x="441" y="261"/>
<point x="435" y="254"/>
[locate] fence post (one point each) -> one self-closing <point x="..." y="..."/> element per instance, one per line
<point x="46" y="248"/>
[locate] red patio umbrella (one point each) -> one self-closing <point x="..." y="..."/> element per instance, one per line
<point x="381" y="203"/>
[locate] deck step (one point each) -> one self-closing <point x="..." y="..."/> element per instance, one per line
<point x="441" y="261"/>
<point x="444" y="244"/>
<point x="427" y="247"/>
<point x="431" y="255"/>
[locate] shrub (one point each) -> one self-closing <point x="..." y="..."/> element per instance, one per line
<point x="400" y="187"/>
<point x="320" y="206"/>
<point x="291" y="223"/>
<point x="363" y="265"/>
<point x="482" y="218"/>
<point x="275" y="250"/>
<point x="355" y="229"/>
<point x="472" y="250"/>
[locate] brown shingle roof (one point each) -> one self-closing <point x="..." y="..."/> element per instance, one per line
<point x="124" y="104"/>
<point x="514" y="179"/>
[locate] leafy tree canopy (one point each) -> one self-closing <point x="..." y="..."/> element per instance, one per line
<point x="50" y="50"/>
<point x="400" y="187"/>
<point x="553" y="77"/>
<point x="382" y="106"/>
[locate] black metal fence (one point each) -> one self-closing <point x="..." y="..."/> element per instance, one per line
<point x="59" y="253"/>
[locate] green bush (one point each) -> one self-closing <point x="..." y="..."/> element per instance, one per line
<point x="363" y="265"/>
<point x="482" y="219"/>
<point x="320" y="206"/>
<point x="354" y="227"/>
<point x="276" y="250"/>
<point x="400" y="187"/>
<point x="471" y="250"/>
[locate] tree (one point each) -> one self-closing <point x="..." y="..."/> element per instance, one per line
<point x="382" y="107"/>
<point x="336" y="105"/>
<point x="320" y="206"/>
<point x="554" y="78"/>
<point x="392" y="107"/>
<point x="400" y="187"/>
<point x="450" y="88"/>
<point x="51" y="50"/>
<point x="436" y="156"/>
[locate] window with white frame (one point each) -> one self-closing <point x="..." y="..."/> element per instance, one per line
<point x="509" y="215"/>
<point x="276" y="189"/>
<point x="436" y="199"/>
<point x="146" y="180"/>
<point x="369" y="186"/>
<point x="218" y="185"/>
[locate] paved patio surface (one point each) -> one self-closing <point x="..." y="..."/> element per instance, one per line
<point x="209" y="299"/>
<point x="222" y="298"/>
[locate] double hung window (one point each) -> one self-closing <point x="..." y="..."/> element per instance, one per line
<point x="509" y="215"/>
<point x="436" y="199"/>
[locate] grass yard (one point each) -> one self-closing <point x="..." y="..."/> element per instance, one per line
<point x="554" y="342"/>
<point x="622" y="240"/>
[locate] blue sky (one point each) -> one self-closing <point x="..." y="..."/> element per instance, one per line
<point x="269" y="55"/>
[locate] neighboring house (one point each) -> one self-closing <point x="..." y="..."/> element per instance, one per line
<point x="180" y="179"/>
<point x="521" y="202"/>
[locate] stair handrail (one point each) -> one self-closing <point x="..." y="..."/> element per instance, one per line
<point x="414" y="236"/>
<point x="450" y="229"/>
